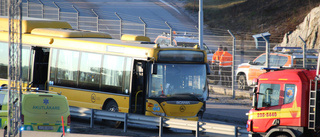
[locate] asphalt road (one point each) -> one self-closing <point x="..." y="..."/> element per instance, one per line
<point x="154" y="12"/>
<point x="221" y="109"/>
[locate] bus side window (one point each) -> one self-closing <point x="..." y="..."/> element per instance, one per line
<point x="2" y="100"/>
<point x="112" y="74"/>
<point x="4" y="62"/>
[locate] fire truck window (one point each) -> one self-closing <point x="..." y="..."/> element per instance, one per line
<point x="289" y="93"/>
<point x="268" y="95"/>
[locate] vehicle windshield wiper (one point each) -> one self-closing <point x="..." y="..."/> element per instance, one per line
<point x="188" y="94"/>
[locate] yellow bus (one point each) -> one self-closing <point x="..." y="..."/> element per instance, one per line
<point x="131" y="75"/>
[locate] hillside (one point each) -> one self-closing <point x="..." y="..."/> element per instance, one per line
<point x="255" y="16"/>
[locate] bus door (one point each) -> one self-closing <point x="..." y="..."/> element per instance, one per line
<point x="138" y="91"/>
<point x="40" y="60"/>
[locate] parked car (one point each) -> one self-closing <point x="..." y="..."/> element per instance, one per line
<point x="284" y="58"/>
<point x="182" y="40"/>
<point x="39" y="112"/>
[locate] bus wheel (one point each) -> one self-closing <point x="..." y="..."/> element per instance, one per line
<point x="113" y="107"/>
<point x="242" y="82"/>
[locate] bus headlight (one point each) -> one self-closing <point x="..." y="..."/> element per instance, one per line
<point x="158" y="113"/>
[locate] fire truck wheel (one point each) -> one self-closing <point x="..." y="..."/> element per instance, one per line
<point x="242" y="82"/>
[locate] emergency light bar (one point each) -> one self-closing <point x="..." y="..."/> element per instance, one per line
<point x="286" y="48"/>
<point x="292" y="50"/>
<point x="269" y="69"/>
<point x="179" y="34"/>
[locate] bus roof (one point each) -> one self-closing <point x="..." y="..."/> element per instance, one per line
<point x="28" y="24"/>
<point x="68" y="33"/>
<point x="57" y="36"/>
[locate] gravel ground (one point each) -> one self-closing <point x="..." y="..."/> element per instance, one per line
<point x="219" y="98"/>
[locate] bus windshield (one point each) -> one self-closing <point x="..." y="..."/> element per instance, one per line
<point x="177" y="80"/>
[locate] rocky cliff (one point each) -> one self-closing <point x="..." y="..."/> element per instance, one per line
<point x="308" y="30"/>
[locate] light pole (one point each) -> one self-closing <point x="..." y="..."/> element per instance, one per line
<point x="200" y="24"/>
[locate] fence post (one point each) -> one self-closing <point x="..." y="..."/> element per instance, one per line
<point x="233" y="64"/>
<point x="197" y="130"/>
<point x="58" y="10"/>
<point x="97" y="19"/>
<point x="92" y="118"/>
<point x="267" y="51"/>
<point x="304" y="52"/>
<point x="236" y="131"/>
<point x="160" y="126"/>
<point x="27" y="8"/>
<point x="120" y="23"/>
<point x="42" y="7"/>
<point x="145" y="27"/>
<point x="200" y="22"/>
<point x="125" y="123"/>
<point x="77" y="16"/>
<point x="170" y="32"/>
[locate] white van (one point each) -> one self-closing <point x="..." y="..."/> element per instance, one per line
<point x="40" y="112"/>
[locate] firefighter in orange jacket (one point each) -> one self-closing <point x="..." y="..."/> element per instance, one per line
<point x="225" y="65"/>
<point x="216" y="56"/>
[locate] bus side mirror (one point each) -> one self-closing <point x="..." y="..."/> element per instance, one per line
<point x="254" y="90"/>
<point x="208" y="69"/>
<point x="154" y="69"/>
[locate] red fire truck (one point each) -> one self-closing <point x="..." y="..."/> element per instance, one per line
<point x="286" y="104"/>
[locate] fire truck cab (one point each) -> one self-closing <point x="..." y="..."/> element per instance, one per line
<point x="285" y="104"/>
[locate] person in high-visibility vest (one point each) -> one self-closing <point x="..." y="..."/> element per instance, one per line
<point x="216" y="56"/>
<point x="225" y="65"/>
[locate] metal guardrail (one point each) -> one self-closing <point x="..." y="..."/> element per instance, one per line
<point x="196" y="126"/>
